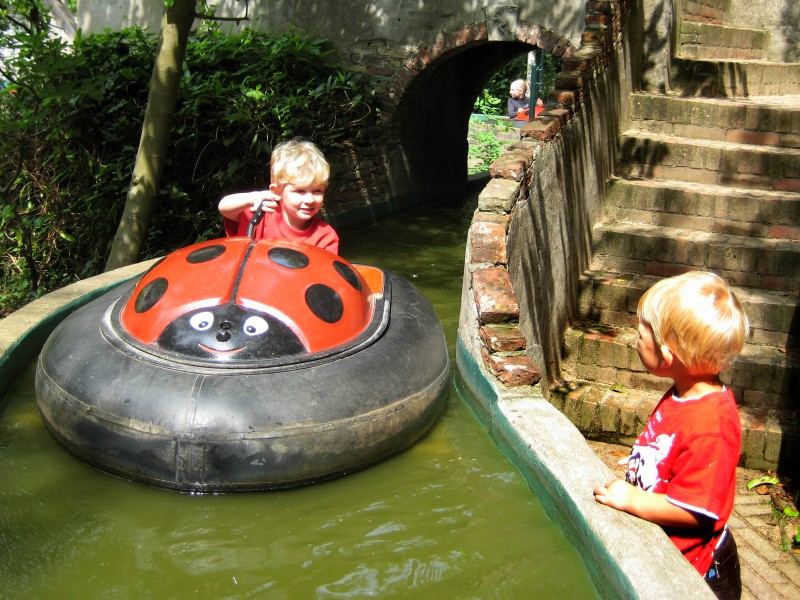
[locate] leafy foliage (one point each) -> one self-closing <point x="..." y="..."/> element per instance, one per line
<point x="70" y="123"/>
<point x="487" y="147"/>
<point x="488" y="104"/>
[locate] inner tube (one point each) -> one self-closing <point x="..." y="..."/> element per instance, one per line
<point x="295" y="414"/>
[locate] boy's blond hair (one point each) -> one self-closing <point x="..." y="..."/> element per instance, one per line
<point x="698" y="317"/>
<point x="298" y="162"/>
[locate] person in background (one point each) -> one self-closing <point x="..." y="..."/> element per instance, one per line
<point x="681" y="470"/>
<point x="298" y="180"/>
<point x="518" y="101"/>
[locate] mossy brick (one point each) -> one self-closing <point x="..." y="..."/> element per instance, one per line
<point x="488" y="242"/>
<point x="645" y="381"/>
<point x="586" y="371"/>
<point x="502" y="338"/>
<point x="607" y="375"/>
<point x="756" y="308"/>
<point x="587" y="415"/>
<point x="565" y="97"/>
<point x="781" y="317"/>
<point x="584" y="60"/>
<point x="571" y="80"/>
<point x="571" y="408"/>
<point x="621" y="354"/>
<point x="754" y="441"/>
<point x="512" y="164"/>
<point x="628" y="420"/>
<point x="758" y="399"/>
<point x="499" y="195"/>
<point x="544" y="128"/>
<point x="513" y="370"/>
<point x="608" y="412"/>
<point x="785" y="257"/>
<point x="572" y="342"/>
<point x="773" y="441"/>
<point x="494" y="295"/>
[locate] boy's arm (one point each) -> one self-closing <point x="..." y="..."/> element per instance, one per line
<point x="231" y="205"/>
<point x="652" y="507"/>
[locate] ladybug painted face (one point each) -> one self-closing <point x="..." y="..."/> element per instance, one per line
<point x="229" y="332"/>
<point x="234" y="299"/>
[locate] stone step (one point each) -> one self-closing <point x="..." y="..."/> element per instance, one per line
<point x="719" y="119"/>
<point x="665" y="251"/>
<point x="705" y="207"/>
<point x="760" y="377"/>
<point x="769" y="436"/>
<point x="612" y="299"/>
<point x="658" y="156"/>
<point x="713" y="41"/>
<point x="733" y="78"/>
<point x="715" y="11"/>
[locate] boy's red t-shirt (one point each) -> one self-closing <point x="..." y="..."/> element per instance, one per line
<point x="318" y="233"/>
<point x="689" y="450"/>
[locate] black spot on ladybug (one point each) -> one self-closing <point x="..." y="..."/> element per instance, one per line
<point x="205" y="254"/>
<point x="347" y="273"/>
<point x="324" y="302"/>
<point x="229" y="332"/>
<point x="288" y="257"/>
<point x="150" y="294"/>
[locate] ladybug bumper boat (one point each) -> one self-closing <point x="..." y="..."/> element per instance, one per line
<point x="237" y="365"/>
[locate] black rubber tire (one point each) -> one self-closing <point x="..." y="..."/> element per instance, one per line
<point x="211" y="430"/>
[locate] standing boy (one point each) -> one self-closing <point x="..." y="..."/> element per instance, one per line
<point x="682" y="468"/>
<point x="298" y="179"/>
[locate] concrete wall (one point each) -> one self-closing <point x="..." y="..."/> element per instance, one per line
<point x="347" y="22"/>
<point x="780" y="17"/>
<point x="428" y="61"/>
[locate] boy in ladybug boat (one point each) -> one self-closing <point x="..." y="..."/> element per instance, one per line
<point x="299" y="177"/>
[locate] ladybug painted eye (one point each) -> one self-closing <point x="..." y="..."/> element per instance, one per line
<point x="202" y="321"/>
<point x="255" y="326"/>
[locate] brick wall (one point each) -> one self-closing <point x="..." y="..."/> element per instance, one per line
<point x="530" y="237"/>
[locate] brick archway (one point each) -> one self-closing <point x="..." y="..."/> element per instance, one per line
<point x="425" y="97"/>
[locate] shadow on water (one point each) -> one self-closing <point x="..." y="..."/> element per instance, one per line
<point x="449" y="518"/>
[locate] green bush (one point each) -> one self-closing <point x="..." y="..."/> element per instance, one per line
<point x="486" y="147"/>
<point x="70" y="124"/>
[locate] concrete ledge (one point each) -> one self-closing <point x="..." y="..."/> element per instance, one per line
<point x="626" y="557"/>
<point x="23" y="332"/>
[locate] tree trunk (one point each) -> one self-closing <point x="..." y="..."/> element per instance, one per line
<point x="164" y="87"/>
<point x="63" y="20"/>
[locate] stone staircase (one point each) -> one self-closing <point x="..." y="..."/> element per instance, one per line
<point x="709" y="183"/>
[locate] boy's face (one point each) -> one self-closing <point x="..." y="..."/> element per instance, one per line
<point x="517" y="91"/>
<point x="649" y="351"/>
<point x="300" y="203"/>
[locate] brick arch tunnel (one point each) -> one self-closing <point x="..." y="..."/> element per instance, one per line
<point x="433" y="114"/>
<point x="430" y="121"/>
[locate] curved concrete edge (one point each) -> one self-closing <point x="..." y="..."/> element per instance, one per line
<point x="626" y="557"/>
<point x="22" y="333"/>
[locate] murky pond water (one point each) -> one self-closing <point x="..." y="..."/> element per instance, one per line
<point x="449" y="518"/>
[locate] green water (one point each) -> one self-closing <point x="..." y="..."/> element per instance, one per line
<point x="449" y="518"/>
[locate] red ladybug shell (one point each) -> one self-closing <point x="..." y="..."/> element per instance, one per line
<point x="308" y="299"/>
